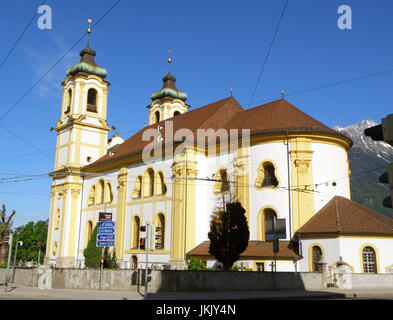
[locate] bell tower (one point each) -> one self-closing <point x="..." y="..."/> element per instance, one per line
<point x="82" y="134"/>
<point x="169" y="101"/>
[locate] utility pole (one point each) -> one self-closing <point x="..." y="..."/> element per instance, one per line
<point x="9" y="261"/>
<point x="16" y="250"/>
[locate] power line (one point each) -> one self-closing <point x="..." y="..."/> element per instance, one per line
<point x="300" y="188"/>
<point x="268" y="52"/>
<point x="329" y="85"/>
<point x="25" y="155"/>
<point x="25" y="141"/>
<point x="19" y="38"/>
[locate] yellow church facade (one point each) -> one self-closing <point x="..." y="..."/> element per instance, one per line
<point x="174" y="173"/>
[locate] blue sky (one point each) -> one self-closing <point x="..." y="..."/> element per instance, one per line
<point x="216" y="45"/>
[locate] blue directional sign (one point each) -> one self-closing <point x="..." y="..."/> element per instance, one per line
<point x="105" y="243"/>
<point x="105" y="230"/>
<point x="106" y="234"/>
<point x="105" y="237"/>
<point x="107" y="224"/>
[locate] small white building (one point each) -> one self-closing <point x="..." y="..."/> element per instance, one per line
<point x="345" y="232"/>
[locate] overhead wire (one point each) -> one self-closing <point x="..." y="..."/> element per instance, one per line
<point x="19" y="38"/>
<point x="268" y="52"/>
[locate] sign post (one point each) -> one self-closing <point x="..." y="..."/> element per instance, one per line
<point x="105" y="237"/>
<point x="147" y="255"/>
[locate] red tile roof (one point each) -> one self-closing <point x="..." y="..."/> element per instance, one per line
<point x="343" y="216"/>
<point x="276" y="116"/>
<point x="256" y="250"/>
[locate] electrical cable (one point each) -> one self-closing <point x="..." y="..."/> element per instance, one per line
<point x="19" y="38"/>
<point x="268" y="53"/>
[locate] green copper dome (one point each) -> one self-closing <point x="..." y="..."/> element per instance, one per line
<point x="87" y="65"/>
<point x="87" y="68"/>
<point x="169" y="90"/>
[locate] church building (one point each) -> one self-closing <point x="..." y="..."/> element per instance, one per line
<point x="278" y="162"/>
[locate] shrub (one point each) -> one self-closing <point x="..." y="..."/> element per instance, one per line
<point x="196" y="264"/>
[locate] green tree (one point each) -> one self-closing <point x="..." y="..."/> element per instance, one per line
<point x="5" y="226"/>
<point x="30" y="234"/>
<point x="92" y="253"/>
<point x="228" y="234"/>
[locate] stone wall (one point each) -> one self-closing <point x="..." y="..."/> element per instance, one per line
<point x="165" y="280"/>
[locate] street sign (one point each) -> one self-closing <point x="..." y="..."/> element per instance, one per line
<point x="108" y="224"/>
<point x="105" y="216"/>
<point x="106" y="234"/>
<point x="105" y="237"/>
<point x="105" y="243"/>
<point x="276" y="230"/>
<point x="105" y="230"/>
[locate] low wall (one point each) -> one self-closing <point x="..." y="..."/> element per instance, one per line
<point x="23" y="276"/>
<point x="189" y="281"/>
<point x="366" y="281"/>
<point x="165" y="280"/>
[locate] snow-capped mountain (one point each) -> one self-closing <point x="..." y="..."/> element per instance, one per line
<point x="356" y="133"/>
<point x="367" y="161"/>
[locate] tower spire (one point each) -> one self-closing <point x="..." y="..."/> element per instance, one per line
<point x="169" y="62"/>
<point x="88" y="33"/>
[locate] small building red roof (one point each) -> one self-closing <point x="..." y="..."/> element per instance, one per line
<point x="256" y="250"/>
<point x="343" y="216"/>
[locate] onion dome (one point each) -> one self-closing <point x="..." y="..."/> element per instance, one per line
<point x="87" y="65"/>
<point x="169" y="89"/>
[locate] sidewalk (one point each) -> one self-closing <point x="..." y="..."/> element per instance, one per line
<point x="20" y="292"/>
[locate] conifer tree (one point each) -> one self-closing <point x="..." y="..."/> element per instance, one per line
<point x="92" y="253"/>
<point x="228" y="234"/>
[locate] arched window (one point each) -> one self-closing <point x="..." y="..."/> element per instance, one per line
<point x="92" y="100"/>
<point x="89" y="231"/>
<point x="137" y="192"/>
<point x="68" y="101"/>
<point x="369" y="260"/>
<point x="316" y="258"/>
<point x="160" y="231"/>
<point x="266" y="176"/>
<point x="176" y="113"/>
<point x="108" y="193"/>
<point x="148" y="189"/>
<point x="270" y="177"/>
<point x="100" y="192"/>
<point x="222" y="184"/>
<point x="157" y="116"/>
<point x="57" y="219"/>
<point x="92" y="195"/>
<point x="269" y="219"/>
<point x="161" y="186"/>
<point x="135" y="232"/>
